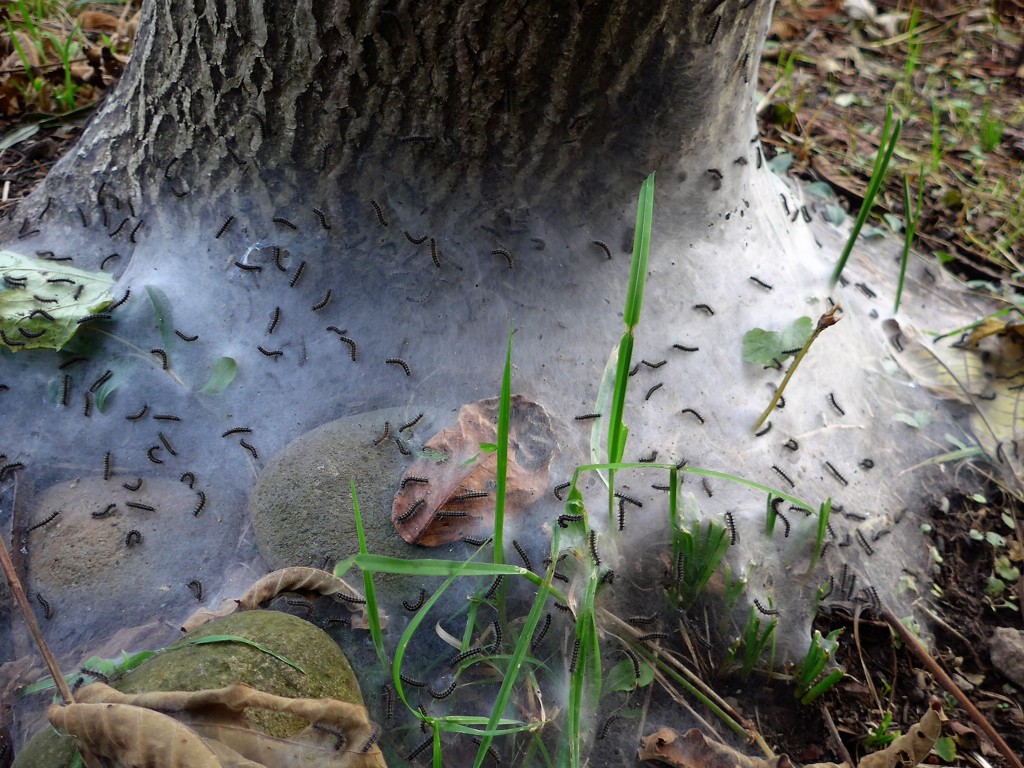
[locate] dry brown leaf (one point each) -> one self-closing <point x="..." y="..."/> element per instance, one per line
<point x="308" y="582"/>
<point x="209" y="728"/>
<point x="913" y="746"/>
<point x="458" y="499"/>
<point x="97" y="21"/>
<point x="692" y="750"/>
<point x="205" y="615"/>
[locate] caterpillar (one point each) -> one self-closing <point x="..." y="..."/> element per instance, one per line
<point x="410" y="511"/>
<point x="575" y="656"/>
<point x="13" y="281"/>
<point x="372" y="739"/>
<point x="660" y="487"/>
<point x="283" y="222"/>
<point x="765" y="611"/>
<point x="852" y="586"/>
<point x="122" y="300"/>
<point x="765" y="431"/>
<point x="491" y="590"/>
<point x="652" y="636"/>
<point x="200" y="503"/>
<point x="413" y="479"/>
<point x="410" y="424"/>
<point x="559" y="488"/>
<point x="81" y="215"/>
<point x="380" y="213"/>
<point x="442" y="694"/>
<point x="504" y="252"/>
<point x="604" y="728"/>
<point x="448" y="513"/>
<point x="832" y="399"/>
<point x="135" y="229"/>
<point x="710" y="37"/>
<point x="140" y="506"/>
<point x="160" y="354"/>
<point x="640" y="621"/>
<point x="784" y="476"/>
<point x="352" y="599"/>
<point x="166" y="417"/>
<point x="805" y="213"/>
<point x="319" y="213"/>
<point x="497" y="636"/>
<point x="297" y="275"/>
<point x="761" y="283"/>
<point x="185" y="337"/>
<point x="47" y="611"/>
<point x="7" y="469"/>
<point x="415" y="241"/>
<point x="399" y="361"/>
<point x="604" y="247"/>
<point x="88" y="318"/>
<point x="120" y="226"/>
<point x="191" y="479"/>
<point x="791" y="444"/>
<point x="196" y="588"/>
<point x="389" y="703"/>
<point x="695" y="413"/>
<point x="66" y="390"/>
<point x="864" y="542"/>
<point x="608" y="577"/>
<point x="250" y="448"/>
<point x="622" y="515"/>
<point x="351" y="345"/>
<point x="785" y="521"/>
<point x="44" y="299"/>
<point x="43" y="522"/>
<point x="418" y="604"/>
<point x="560" y="577"/>
<point x="411" y="681"/>
<point x="274" y="353"/>
<point x="593" y="548"/>
<point x="106" y="259"/>
<point x="99" y="515"/>
<point x="402" y="449"/>
<point x="635" y="660"/>
<point x="238" y="431"/>
<point x="277" y="259"/>
<point x="101" y="380"/>
<point x="707" y="487"/>
<point x="456" y="660"/>
<point x="248" y="267"/>
<point x="87" y="406"/>
<point x="384" y="435"/>
<point x="681" y="566"/>
<point x="715" y="174"/>
<point x="224" y="227"/>
<point x="880" y="533"/>
<point x="49" y="318"/>
<point x="685" y="348"/>
<point x="730" y="522"/>
<point x="867" y="464"/>
<point x="653" y="365"/>
<point x="419" y="749"/>
<point x="133" y="538"/>
<point x="137" y="485"/>
<point x="166" y="443"/>
<point x="630" y="499"/>
<point x="106" y="465"/>
<point x="563" y="607"/>
<point x="433" y="253"/>
<point x="324" y="301"/>
<point x="865" y="290"/>
<point x="705" y="308"/>
<point x="538" y="637"/>
<point x="475" y="541"/>
<point x="275" y="318"/>
<point x="564" y="520"/>
<point x="49" y="202"/>
<point x="634" y="369"/>
<point x="469" y="495"/>
<point x="25" y="232"/>
<point x="522" y="553"/>
<point x="21" y="282"/>
<point x="835" y="473"/>
<point x="587" y="417"/>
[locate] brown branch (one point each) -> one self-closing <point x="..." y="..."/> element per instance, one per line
<point x="33" y="626"/>
<point x="946" y="682"/>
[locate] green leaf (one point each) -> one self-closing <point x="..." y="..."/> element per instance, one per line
<point x="238" y="639"/>
<point x="995" y="539"/>
<point x="945" y="748"/>
<point x="488" y="447"/>
<point x="1006" y="570"/>
<point x="18" y="304"/>
<point x="164" y="315"/>
<point x="222" y="373"/>
<point x="994" y="587"/>
<point x="620" y="677"/>
<point x="762" y="347"/>
<point x="109" y="668"/>
<point x="918" y="419"/>
<point x="834" y="214"/>
<point x="977" y="535"/>
<point x="19" y="135"/>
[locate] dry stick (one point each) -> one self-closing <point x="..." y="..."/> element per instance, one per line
<point x="33" y="626"/>
<point x="825" y="321"/>
<point x="836" y="738"/>
<point x="946" y="682"/>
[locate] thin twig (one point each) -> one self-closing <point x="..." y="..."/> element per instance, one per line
<point x="946" y="682"/>
<point x="33" y="626"/>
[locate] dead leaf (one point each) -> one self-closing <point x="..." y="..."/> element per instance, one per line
<point x="913" y="746"/>
<point x="308" y="582"/>
<point x="209" y="729"/>
<point x="97" y="21"/>
<point x="692" y="750"/>
<point x="457" y="498"/>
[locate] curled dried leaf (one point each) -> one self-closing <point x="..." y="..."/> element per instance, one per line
<point x="308" y="582"/>
<point x="457" y="498"/>
<point x="912" y="747"/>
<point x="692" y="750"/>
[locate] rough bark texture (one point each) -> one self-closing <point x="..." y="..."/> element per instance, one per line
<point x="469" y="103"/>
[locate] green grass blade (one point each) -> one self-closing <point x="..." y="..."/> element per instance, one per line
<point x="373" y="618"/>
<point x="908" y="238"/>
<point x="886" y="146"/>
<point x="504" y="406"/>
<point x="238" y="639"/>
<point x="383" y="564"/>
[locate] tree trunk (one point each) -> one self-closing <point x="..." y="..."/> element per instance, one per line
<point x="276" y="166"/>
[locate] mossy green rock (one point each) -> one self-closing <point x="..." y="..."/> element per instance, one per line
<point x="213" y="665"/>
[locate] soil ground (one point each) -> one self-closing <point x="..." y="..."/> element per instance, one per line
<point x="827" y="78"/>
